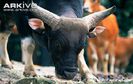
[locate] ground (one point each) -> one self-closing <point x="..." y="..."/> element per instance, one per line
<point x="47" y="76"/>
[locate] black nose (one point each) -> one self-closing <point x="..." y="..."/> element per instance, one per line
<point x="67" y="73"/>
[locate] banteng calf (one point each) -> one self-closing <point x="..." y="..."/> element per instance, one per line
<point x="102" y="47"/>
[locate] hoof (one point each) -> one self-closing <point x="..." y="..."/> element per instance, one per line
<point x="90" y="79"/>
<point x="29" y="74"/>
<point x="29" y="71"/>
<point x="105" y="74"/>
<point x="112" y="74"/>
<point x="77" y="77"/>
<point x="9" y="66"/>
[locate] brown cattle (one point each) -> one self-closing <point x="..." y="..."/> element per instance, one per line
<point x="123" y="51"/>
<point x="102" y="47"/>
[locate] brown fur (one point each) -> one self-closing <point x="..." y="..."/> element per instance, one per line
<point x="123" y="51"/>
<point x="105" y="42"/>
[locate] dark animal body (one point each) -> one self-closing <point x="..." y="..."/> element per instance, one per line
<point x="68" y="8"/>
<point x="64" y="34"/>
<point x="62" y="50"/>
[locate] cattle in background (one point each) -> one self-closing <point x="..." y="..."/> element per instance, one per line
<point x="61" y="34"/>
<point x="123" y="52"/>
<point x="102" y="48"/>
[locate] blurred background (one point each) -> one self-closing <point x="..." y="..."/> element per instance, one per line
<point x="124" y="13"/>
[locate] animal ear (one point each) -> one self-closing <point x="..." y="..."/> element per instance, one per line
<point x="96" y="31"/>
<point x="36" y="23"/>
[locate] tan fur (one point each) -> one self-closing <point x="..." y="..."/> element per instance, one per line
<point x="27" y="52"/>
<point x="84" y="70"/>
<point x="3" y="50"/>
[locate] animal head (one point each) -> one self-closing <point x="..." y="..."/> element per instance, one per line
<point x="92" y="5"/>
<point x="64" y="37"/>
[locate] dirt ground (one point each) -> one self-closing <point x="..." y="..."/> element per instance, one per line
<point x="47" y="76"/>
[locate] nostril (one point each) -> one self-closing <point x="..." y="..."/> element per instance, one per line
<point x="65" y="72"/>
<point x="69" y="75"/>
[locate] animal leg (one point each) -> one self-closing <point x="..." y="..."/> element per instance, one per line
<point x="112" y="62"/>
<point x="84" y="70"/>
<point x="105" y="64"/>
<point x="28" y="47"/>
<point x="94" y="57"/>
<point x="5" y="61"/>
<point x="95" y="61"/>
<point x="112" y="58"/>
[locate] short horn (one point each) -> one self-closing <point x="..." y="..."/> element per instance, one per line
<point x="96" y="17"/>
<point x="48" y="17"/>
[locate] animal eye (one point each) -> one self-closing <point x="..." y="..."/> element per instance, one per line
<point x="91" y="29"/>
